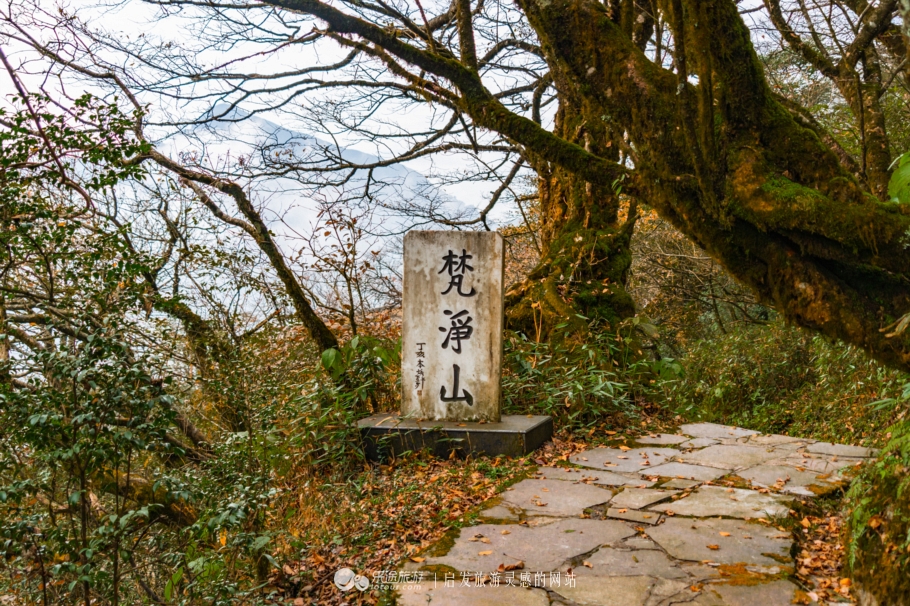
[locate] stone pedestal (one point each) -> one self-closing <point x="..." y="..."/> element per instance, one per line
<point x="385" y="435"/>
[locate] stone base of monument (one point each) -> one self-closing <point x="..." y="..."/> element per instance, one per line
<point x="385" y="435"/>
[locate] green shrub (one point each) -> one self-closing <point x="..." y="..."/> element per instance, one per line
<point x="878" y="525"/>
<point x="580" y="386"/>
<point x="778" y="378"/>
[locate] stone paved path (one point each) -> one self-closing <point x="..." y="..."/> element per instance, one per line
<point x="688" y="518"/>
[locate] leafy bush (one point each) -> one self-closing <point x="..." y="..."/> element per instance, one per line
<point x="878" y="535"/>
<point x="581" y="385"/>
<point x="777" y="378"/>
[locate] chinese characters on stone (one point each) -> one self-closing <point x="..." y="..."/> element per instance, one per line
<point x="421" y="355"/>
<point x="456" y="266"/>
<point x="460" y="328"/>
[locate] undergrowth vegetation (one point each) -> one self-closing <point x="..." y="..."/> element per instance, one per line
<point x="779" y="379"/>
<point x="878" y="539"/>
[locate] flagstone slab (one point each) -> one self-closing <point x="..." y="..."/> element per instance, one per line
<point x="678" y="483"/>
<point x="840" y="450"/>
<point x="686" y="471"/>
<point x="730" y="456"/>
<point x="662" y="438"/>
<point x="613" y="562"/>
<point x="639" y="542"/>
<point x="728" y="502"/>
<point x="815" y="463"/>
<point x="769" y="475"/>
<point x="459" y="595"/>
<point x="570" y="474"/>
<point x="639" y="498"/>
<point x="688" y="539"/>
<point x="499" y="512"/>
<point x="713" y="430"/>
<point x="633" y="515"/>
<point x="587" y="476"/>
<point x="698" y="443"/>
<point x="775" y="593"/>
<point x="669" y="591"/>
<point x="790" y="447"/>
<point x="629" y="461"/>
<point x="612" y="591"/>
<point x="774" y="439"/>
<point x="555" y="497"/>
<point x="541" y="548"/>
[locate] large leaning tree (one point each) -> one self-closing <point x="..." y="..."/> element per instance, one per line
<point x="703" y="139"/>
<point x="611" y="105"/>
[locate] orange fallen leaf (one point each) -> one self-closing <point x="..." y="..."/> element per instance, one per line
<point x="624" y="447"/>
<point x="588" y="564"/>
<point x="416" y="559"/>
<point x="484" y="553"/>
<point x="714" y="547"/>
<point x="725" y="534"/>
<point x="505" y="532"/>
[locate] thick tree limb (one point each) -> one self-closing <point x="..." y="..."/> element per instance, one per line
<point x="477" y="101"/>
<point x="258" y="230"/>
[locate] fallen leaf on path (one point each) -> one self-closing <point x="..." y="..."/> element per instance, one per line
<point x="484" y="553"/>
<point x="713" y="547"/>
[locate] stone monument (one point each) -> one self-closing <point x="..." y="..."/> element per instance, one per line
<point x="451" y="354"/>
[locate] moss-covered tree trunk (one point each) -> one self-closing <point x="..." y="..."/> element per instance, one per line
<point x="585" y="257"/>
<point x="734" y="170"/>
